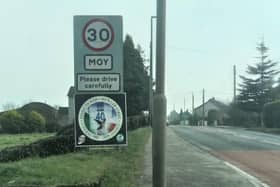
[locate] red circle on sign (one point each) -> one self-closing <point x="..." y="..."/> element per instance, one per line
<point x="95" y="48"/>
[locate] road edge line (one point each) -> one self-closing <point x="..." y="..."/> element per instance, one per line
<point x="255" y="181"/>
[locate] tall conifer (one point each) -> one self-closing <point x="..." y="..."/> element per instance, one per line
<point x="256" y="88"/>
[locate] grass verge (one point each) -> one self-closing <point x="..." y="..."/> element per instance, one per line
<point x="8" y="140"/>
<point x="266" y="130"/>
<point x="116" y="167"/>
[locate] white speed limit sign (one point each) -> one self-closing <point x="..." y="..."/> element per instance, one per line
<point x="98" y="53"/>
<point x="98" y="34"/>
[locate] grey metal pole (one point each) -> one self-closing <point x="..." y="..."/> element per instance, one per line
<point x="193" y="109"/>
<point x="151" y="73"/>
<point x="184" y="104"/>
<point x="234" y="84"/>
<point x="203" y="109"/>
<point x="159" y="119"/>
<point x="184" y="111"/>
<point x="192" y="104"/>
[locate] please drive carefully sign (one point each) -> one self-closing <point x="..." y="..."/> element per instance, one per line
<point x="98" y="82"/>
<point x="98" y="50"/>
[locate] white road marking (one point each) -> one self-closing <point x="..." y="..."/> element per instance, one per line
<point x="248" y="137"/>
<point x="270" y="142"/>
<point x="255" y="181"/>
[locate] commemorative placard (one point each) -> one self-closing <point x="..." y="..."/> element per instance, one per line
<point x="100" y="120"/>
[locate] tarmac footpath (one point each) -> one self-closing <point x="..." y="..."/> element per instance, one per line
<point x="187" y="165"/>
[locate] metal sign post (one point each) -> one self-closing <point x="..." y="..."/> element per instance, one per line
<point x="100" y="104"/>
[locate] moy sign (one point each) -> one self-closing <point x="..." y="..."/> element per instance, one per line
<point x="98" y="53"/>
<point x="100" y="104"/>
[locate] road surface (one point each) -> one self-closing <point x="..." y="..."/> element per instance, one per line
<point x="256" y="153"/>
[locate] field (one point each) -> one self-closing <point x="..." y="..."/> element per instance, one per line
<point x="7" y="140"/>
<point x="114" y="167"/>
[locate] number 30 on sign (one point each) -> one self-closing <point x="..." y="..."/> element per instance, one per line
<point x="98" y="34"/>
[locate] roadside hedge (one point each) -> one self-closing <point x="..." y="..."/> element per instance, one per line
<point x="271" y="114"/>
<point x="61" y="143"/>
<point x="54" y="145"/>
<point x="240" y="118"/>
<point x="138" y="121"/>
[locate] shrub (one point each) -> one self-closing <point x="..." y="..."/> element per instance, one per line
<point x="61" y="143"/>
<point x="35" y="122"/>
<point x="66" y="131"/>
<point x="271" y="117"/>
<point x="52" y="127"/>
<point x="242" y="118"/>
<point x="213" y="115"/>
<point x="12" y="122"/>
<point x="48" y="112"/>
<point x="194" y="119"/>
<point x="138" y="121"/>
<point x="49" y="146"/>
<point x="55" y="145"/>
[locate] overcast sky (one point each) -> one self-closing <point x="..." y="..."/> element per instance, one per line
<point x="205" y="38"/>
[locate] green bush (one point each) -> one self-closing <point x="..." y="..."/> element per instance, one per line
<point x="213" y="115"/>
<point x="35" y="122"/>
<point x="52" y="127"/>
<point x="194" y="119"/>
<point x="66" y="131"/>
<point x="12" y="122"/>
<point x="61" y="143"/>
<point x="49" y="146"/>
<point x="242" y="118"/>
<point x="138" y="121"/>
<point x="271" y="117"/>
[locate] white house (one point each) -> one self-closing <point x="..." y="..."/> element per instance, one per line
<point x="213" y="110"/>
<point x="71" y="104"/>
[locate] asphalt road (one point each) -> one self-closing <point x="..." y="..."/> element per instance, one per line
<point x="256" y="153"/>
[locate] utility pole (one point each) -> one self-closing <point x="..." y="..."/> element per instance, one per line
<point x="151" y="73"/>
<point x="203" y="109"/>
<point x="234" y="84"/>
<point x="159" y="119"/>
<point x="193" y="122"/>
<point x="192" y="104"/>
<point x="184" y="104"/>
<point x="184" y="111"/>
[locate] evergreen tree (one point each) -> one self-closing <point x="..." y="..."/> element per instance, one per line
<point x="181" y="114"/>
<point x="276" y="91"/>
<point x="247" y="98"/>
<point x="256" y="89"/>
<point x="136" y="79"/>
